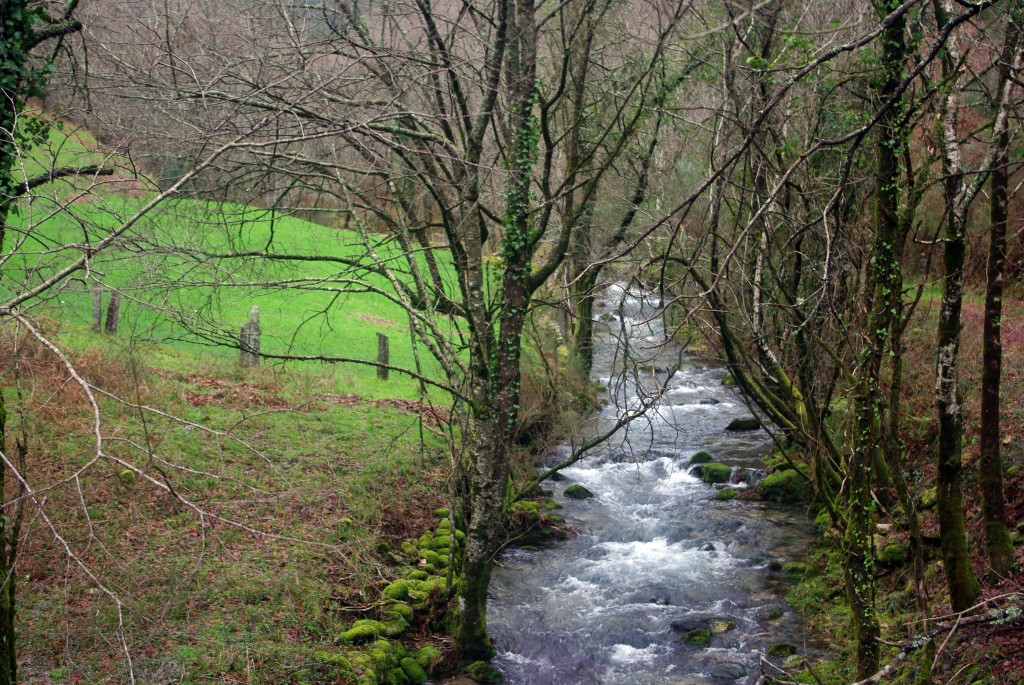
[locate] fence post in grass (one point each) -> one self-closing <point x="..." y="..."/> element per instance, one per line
<point x="383" y="356"/>
<point x="249" y="340"/>
<point x="97" y="308"/>
<point x="113" y="312"/>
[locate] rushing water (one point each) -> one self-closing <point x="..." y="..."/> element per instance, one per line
<point x="655" y="554"/>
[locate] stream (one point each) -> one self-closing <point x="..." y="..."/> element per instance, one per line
<point x="655" y="554"/>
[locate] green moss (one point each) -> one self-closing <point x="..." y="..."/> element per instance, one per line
<point x="483" y="672"/>
<point x="774" y="614"/>
<point x="413" y="671"/>
<point x="785" y="487"/>
<point x="728" y="381"/>
<point x="428" y="657"/>
<point x="551" y="505"/>
<point x="396" y="676"/>
<point x="701" y="457"/>
<point x="398" y="590"/>
<point x="577" y="491"/>
<point x="713" y="472"/>
<point x="442" y="513"/>
<point x="928" y="499"/>
<point x="726" y="494"/>
<point x="794" y="571"/>
<point x="433" y="558"/>
<point x="400" y="610"/>
<point x="699" y="637"/>
<point x="417" y="574"/>
<point x="892" y="554"/>
<point x="363" y="631"/>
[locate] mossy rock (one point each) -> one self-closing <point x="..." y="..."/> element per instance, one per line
<point x="400" y="610"/>
<point x="413" y="671"/>
<point x="417" y="574"/>
<point x="483" y="672"/>
<point x="460" y="536"/>
<point x="701" y="457"/>
<point x="729" y="381"/>
<point x="431" y="557"/>
<point x="428" y="657"/>
<point x="410" y="548"/>
<point x="928" y="499"/>
<point x="700" y="637"/>
<point x="713" y="472"/>
<point x="395" y="627"/>
<point x="781" y="650"/>
<point x="442" y="513"/>
<point x="363" y="631"/>
<point x="426" y="541"/>
<point x="577" y="491"/>
<point x="774" y="614"/>
<point x="557" y="477"/>
<point x="396" y="676"/>
<point x="892" y="554"/>
<point x="526" y="508"/>
<point x="441" y="541"/>
<point x="726" y="494"/>
<point x="399" y="590"/>
<point x="552" y="505"/>
<point x="748" y="424"/>
<point x="785" y="487"/>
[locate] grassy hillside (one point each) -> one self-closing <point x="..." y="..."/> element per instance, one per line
<point x="292" y="484"/>
<point x="176" y="294"/>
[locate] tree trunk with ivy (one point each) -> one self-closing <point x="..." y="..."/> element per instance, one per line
<point x="496" y="396"/>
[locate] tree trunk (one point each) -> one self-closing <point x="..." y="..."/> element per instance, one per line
<point x="497" y="410"/>
<point x="8" y="647"/>
<point x="963" y="586"/>
<point x="990" y="464"/>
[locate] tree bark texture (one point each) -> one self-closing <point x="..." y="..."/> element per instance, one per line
<point x="990" y="464"/>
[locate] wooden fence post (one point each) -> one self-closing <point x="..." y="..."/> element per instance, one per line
<point x="97" y="308"/>
<point x="113" y="312"/>
<point x="383" y="356"/>
<point x="249" y="340"/>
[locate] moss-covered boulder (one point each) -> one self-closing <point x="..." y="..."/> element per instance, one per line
<point x="413" y="671"/>
<point x="785" y="487"/>
<point x="483" y="672"/>
<point x="726" y="494"/>
<point x="774" y="614"/>
<point x="701" y="457"/>
<point x="713" y="472"/>
<point x="399" y="590"/>
<point x="428" y="657"/>
<point x="749" y="424"/>
<point x="780" y="650"/>
<point x="363" y="631"/>
<point x="399" y="610"/>
<point x="700" y="637"/>
<point x="892" y="553"/>
<point x="577" y="491"/>
<point x="928" y="499"/>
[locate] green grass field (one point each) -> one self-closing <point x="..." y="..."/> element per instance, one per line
<point x="177" y="295"/>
